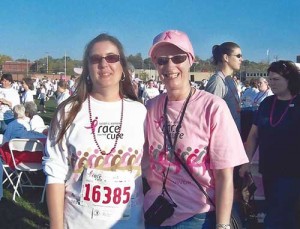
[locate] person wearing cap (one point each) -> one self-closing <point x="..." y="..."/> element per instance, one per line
<point x="187" y="127"/>
<point x="228" y="58"/>
<point x="9" y="97"/>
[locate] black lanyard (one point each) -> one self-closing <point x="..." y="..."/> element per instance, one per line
<point x="166" y="129"/>
<point x="167" y="134"/>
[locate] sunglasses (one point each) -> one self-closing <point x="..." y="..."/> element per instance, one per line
<point x="111" y="58"/>
<point x="177" y="59"/>
<point x="238" y="55"/>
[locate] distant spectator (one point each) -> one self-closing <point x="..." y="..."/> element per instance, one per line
<point x="150" y="91"/>
<point x="19" y="128"/>
<point x="62" y="92"/>
<point x="9" y="97"/>
<point x="250" y="93"/>
<point x="72" y="84"/>
<point x="135" y="84"/>
<point x="42" y="97"/>
<point x="27" y="95"/>
<point x="264" y="91"/>
<point x="35" y="121"/>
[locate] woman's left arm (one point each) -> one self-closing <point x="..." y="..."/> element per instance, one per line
<point x="223" y="194"/>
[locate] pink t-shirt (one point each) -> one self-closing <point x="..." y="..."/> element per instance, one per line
<point x="207" y="140"/>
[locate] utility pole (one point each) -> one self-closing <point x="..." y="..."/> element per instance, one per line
<point x="65" y="65"/>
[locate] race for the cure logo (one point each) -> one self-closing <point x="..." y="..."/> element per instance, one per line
<point x="109" y="130"/>
<point x="96" y="177"/>
<point x="171" y="127"/>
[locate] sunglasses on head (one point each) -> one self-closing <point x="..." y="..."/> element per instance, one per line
<point x="238" y="55"/>
<point x="111" y="58"/>
<point x="177" y="59"/>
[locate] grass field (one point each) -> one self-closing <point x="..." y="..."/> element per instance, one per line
<point x="27" y="212"/>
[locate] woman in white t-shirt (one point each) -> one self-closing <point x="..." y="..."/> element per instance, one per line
<point x="35" y="121"/>
<point x="95" y="145"/>
<point x="27" y="95"/>
<point x="62" y="91"/>
<point x="264" y="91"/>
<point x="9" y="97"/>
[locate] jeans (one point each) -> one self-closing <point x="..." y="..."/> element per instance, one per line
<point x="205" y="220"/>
<point x="282" y="196"/>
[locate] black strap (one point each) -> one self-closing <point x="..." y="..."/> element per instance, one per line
<point x="166" y="130"/>
<point x="194" y="179"/>
<point x="167" y="133"/>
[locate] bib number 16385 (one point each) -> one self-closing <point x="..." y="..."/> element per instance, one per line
<point x="106" y="194"/>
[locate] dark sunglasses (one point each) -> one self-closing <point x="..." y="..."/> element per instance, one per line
<point x="111" y="58"/>
<point x="238" y="55"/>
<point x="177" y="59"/>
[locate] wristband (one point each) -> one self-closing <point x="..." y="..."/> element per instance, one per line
<point x="222" y="226"/>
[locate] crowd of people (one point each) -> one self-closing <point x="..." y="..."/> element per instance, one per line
<point x="123" y="153"/>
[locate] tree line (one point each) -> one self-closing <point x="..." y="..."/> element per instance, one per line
<point x="56" y="65"/>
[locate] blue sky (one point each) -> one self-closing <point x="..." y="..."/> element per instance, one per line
<point x="34" y="28"/>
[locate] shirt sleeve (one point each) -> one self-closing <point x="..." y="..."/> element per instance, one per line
<point x="225" y="148"/>
<point x="55" y="161"/>
<point x="216" y="86"/>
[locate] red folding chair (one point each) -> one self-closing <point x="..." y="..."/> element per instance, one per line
<point x="26" y="157"/>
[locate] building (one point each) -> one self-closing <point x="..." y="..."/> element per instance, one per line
<point x="18" y="66"/>
<point x="21" y="69"/>
<point x="147" y="74"/>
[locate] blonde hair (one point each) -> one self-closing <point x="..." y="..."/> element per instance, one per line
<point x="19" y="111"/>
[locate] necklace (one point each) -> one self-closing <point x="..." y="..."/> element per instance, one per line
<point x="284" y="113"/>
<point x="93" y="129"/>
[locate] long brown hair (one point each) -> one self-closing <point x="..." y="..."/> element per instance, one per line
<point x="59" y="127"/>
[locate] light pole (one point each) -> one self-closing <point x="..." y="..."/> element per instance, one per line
<point x="47" y="58"/>
<point x="65" y="65"/>
<point x="195" y="63"/>
<point x="26" y="67"/>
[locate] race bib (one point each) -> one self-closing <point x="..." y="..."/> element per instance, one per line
<point x="108" y="193"/>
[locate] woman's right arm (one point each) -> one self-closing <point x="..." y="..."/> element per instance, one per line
<point x="55" y="202"/>
<point x="250" y="147"/>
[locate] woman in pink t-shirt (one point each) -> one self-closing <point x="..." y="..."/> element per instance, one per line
<point x="196" y="128"/>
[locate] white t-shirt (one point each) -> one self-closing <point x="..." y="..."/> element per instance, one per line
<point x="27" y="96"/>
<point x="150" y="93"/>
<point x="62" y="97"/>
<point x="11" y="95"/>
<point x="80" y="152"/>
<point x="37" y="124"/>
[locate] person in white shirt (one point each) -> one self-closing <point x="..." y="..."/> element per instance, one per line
<point x="20" y="128"/>
<point x="249" y="94"/>
<point x="264" y="91"/>
<point x="35" y="121"/>
<point x="42" y="97"/>
<point x="93" y="154"/>
<point x="150" y="92"/>
<point x="62" y="91"/>
<point x="27" y="95"/>
<point x="9" y="97"/>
